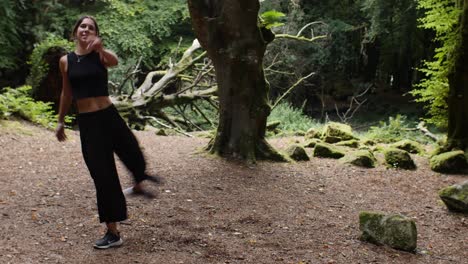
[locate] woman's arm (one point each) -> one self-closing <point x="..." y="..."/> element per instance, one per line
<point x="108" y="57"/>
<point x="65" y="100"/>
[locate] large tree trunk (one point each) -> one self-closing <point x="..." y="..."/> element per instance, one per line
<point x="458" y="91"/>
<point x="228" y="30"/>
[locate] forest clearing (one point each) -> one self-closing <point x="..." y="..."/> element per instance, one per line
<point x="213" y="210"/>
<point x="285" y="131"/>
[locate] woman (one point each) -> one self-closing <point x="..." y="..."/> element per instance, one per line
<point x="102" y="130"/>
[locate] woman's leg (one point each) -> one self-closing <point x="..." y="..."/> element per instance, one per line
<point x="127" y="148"/>
<point x="99" y="158"/>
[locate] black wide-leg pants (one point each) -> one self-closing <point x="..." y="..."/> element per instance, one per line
<point x="102" y="134"/>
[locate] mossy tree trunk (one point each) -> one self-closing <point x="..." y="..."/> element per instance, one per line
<point x="458" y="89"/>
<point x="228" y="30"/>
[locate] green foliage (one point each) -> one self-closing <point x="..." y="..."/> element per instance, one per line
<point x="9" y="37"/>
<point x="292" y="119"/>
<point x="271" y="19"/>
<point x="39" y="67"/>
<point x="396" y="129"/>
<point x="136" y="28"/>
<point x="17" y="102"/>
<point x="441" y="16"/>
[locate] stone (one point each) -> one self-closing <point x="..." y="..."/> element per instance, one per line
<point x="410" y="146"/>
<point x="297" y="153"/>
<point x="361" y="158"/>
<point x="335" y="132"/>
<point x="455" y="197"/>
<point x="394" y="230"/>
<point x="398" y="158"/>
<point x="353" y="143"/>
<point x="324" y="150"/>
<point x="449" y="162"/>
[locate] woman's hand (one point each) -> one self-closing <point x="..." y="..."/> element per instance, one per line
<point x="95" y="44"/>
<point x="60" y="132"/>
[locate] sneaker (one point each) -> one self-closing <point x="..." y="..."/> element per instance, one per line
<point x="155" y="179"/>
<point x="109" y="240"/>
<point x="130" y="191"/>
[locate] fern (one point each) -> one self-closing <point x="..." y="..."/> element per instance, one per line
<point x="17" y="102"/>
<point x="271" y="19"/>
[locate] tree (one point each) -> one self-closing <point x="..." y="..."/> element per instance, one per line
<point x="229" y="31"/>
<point x="457" y="135"/>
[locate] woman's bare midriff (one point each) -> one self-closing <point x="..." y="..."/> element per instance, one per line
<point x="93" y="104"/>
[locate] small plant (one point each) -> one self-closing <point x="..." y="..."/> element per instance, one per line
<point x="396" y="129"/>
<point x="292" y="119"/>
<point x="18" y="102"/>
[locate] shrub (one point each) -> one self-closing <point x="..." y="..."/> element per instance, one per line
<point x="396" y="129"/>
<point x="18" y="102"/>
<point x="39" y="66"/>
<point x="292" y="119"/>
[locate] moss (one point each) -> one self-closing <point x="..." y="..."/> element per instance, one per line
<point x="297" y="152"/>
<point x="449" y="162"/>
<point x="398" y="158"/>
<point x="369" y="224"/>
<point x="455" y="197"/>
<point x="395" y="231"/>
<point x="400" y="233"/>
<point x="335" y="132"/>
<point x="409" y="145"/>
<point x="369" y="142"/>
<point x="353" y="143"/>
<point x="311" y="143"/>
<point x="362" y="158"/>
<point x="325" y="150"/>
<point x="313" y="133"/>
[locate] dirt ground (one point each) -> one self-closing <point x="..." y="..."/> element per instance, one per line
<point x="211" y="210"/>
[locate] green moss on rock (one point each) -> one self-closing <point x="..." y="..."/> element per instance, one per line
<point x="312" y="142"/>
<point x="324" y="150"/>
<point x="449" y="162"/>
<point x="455" y="197"/>
<point x="394" y="230"/>
<point x="353" y="143"/>
<point x="335" y="132"/>
<point x="297" y="153"/>
<point x="397" y="158"/>
<point x="410" y="146"/>
<point x="361" y="158"/>
<point x="313" y="133"/>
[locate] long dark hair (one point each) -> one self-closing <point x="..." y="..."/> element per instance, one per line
<point x="78" y="23"/>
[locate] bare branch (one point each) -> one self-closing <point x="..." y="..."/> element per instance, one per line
<point x="291" y="88"/>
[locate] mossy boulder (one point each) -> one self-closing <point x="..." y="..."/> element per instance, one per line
<point x="312" y="142"/>
<point x="161" y="132"/>
<point x="361" y="158"/>
<point x="449" y="162"/>
<point x="324" y="150"/>
<point x="369" y="142"/>
<point x="297" y="153"/>
<point x="394" y="230"/>
<point x="313" y="133"/>
<point x="398" y="158"/>
<point x="353" y="143"/>
<point x="335" y="132"/>
<point x="455" y="197"/>
<point x="410" y="146"/>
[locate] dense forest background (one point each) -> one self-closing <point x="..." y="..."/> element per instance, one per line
<point x="377" y="59"/>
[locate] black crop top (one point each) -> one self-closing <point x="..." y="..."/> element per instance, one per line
<point x="87" y="75"/>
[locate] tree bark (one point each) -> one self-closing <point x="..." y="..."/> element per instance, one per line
<point x="458" y="90"/>
<point x="228" y="30"/>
